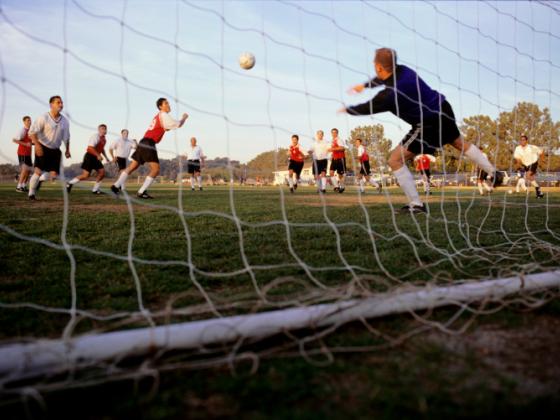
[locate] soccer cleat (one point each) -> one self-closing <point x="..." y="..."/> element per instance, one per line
<point x="144" y="195"/>
<point x="20" y="190"/>
<point x="192" y="189"/>
<point x="292" y="190"/>
<point x="295" y="186"/>
<point x="414" y="209"/>
<point x="540" y="195"/>
<point x="25" y="189"/>
<point x="32" y="197"/>
<point x="336" y="189"/>
<point x="497" y="179"/>
<point x="98" y="192"/>
<point x="68" y="187"/>
<point x="323" y="191"/>
<point x="199" y="188"/>
<point x="115" y="190"/>
<point x="341" y="190"/>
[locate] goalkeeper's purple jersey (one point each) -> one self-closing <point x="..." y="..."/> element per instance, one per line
<point x="406" y="95"/>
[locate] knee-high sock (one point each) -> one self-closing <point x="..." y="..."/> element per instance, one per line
<point x="480" y="189"/>
<point x="406" y="181"/>
<point x="122" y="179"/>
<point x="475" y="155"/>
<point x="45" y="177"/>
<point x="192" y="182"/>
<point x="74" y="181"/>
<point x="334" y="180"/>
<point x="290" y="181"/>
<point x="199" y="180"/>
<point x="96" y="186"/>
<point x="323" y="182"/>
<point x="361" y="183"/>
<point x="373" y="183"/>
<point x="33" y="184"/>
<point x="147" y="182"/>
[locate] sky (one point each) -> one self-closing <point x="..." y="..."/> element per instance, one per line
<point x="111" y="60"/>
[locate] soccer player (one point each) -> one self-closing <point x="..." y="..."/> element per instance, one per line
<point x="423" y="163"/>
<point x="47" y="133"/>
<point x="24" y="154"/>
<point x="195" y="161"/>
<point x="338" y="162"/>
<point x="320" y="154"/>
<point x="147" y="152"/>
<point x="407" y="96"/>
<point x="365" y="171"/>
<point x="295" y="166"/>
<point x="521" y="184"/>
<point x="93" y="161"/>
<point x="528" y="155"/>
<point x="120" y="150"/>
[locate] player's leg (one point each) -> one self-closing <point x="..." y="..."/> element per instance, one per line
<point x="342" y="176"/>
<point x="117" y="186"/>
<point x="98" y="179"/>
<point x="334" y="179"/>
<point x="361" y="182"/>
<point x="474" y="154"/>
<point x="154" y="172"/>
<point x="198" y="177"/>
<point x="397" y="162"/>
<point x="291" y="179"/>
<point x="84" y="175"/>
<point x="531" y="177"/>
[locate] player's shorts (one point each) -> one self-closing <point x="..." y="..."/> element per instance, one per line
<point x="25" y="160"/>
<point x="364" y="168"/>
<point x="426" y="172"/>
<point x="91" y="163"/>
<point x="50" y="161"/>
<point x="145" y="152"/>
<point x="320" y="166"/>
<point x="482" y="175"/>
<point x="433" y="133"/>
<point x="121" y="163"/>
<point x="532" y="167"/>
<point x="338" y="166"/>
<point x="295" y="166"/>
<point x="193" y="166"/>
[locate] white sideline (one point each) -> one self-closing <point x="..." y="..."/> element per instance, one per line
<point x="48" y="356"/>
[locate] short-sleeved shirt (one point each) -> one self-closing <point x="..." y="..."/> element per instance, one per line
<point x="51" y="133"/>
<point x="195" y="153"/>
<point x="122" y="147"/>
<point x="23" y="136"/>
<point x="320" y="150"/>
<point x="528" y="154"/>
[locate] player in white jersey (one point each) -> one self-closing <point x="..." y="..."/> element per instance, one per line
<point x="24" y="143"/>
<point x="93" y="161"/>
<point x="521" y="185"/>
<point x="195" y="162"/>
<point x="120" y="150"/>
<point x="47" y="133"/>
<point x="365" y="172"/>
<point x="527" y="156"/>
<point x="320" y="153"/>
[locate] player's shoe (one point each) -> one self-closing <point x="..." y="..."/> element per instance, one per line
<point x="144" y="195"/>
<point x="32" y="197"/>
<point x="323" y="191"/>
<point x="341" y="190"/>
<point x="379" y="188"/>
<point x="192" y="189"/>
<point x="98" y="192"/>
<point x="20" y="190"/>
<point x="292" y="190"/>
<point x="414" y="209"/>
<point x="540" y="194"/>
<point x="115" y="190"/>
<point x="295" y="186"/>
<point x="199" y="188"/>
<point x="68" y="187"/>
<point x="335" y="189"/>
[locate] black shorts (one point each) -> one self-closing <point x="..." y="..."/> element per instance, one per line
<point x="364" y="168"/>
<point x="91" y="163"/>
<point x="320" y="166"/>
<point x="145" y="152"/>
<point x="482" y="175"/>
<point x="338" y="166"/>
<point x="193" y="166"/>
<point x="121" y="163"/>
<point x="50" y="161"/>
<point x="296" y="166"/>
<point x="532" y="167"/>
<point x="433" y="133"/>
<point x="426" y="172"/>
<point x="25" y="160"/>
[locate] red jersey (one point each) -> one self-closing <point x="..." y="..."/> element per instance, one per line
<point x="99" y="146"/>
<point x="296" y="154"/>
<point x="364" y="157"/>
<point x="155" y="130"/>
<point x="338" y="154"/>
<point x="422" y="163"/>
<point x="25" y="150"/>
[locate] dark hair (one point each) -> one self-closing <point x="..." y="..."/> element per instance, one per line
<point x="123" y="130"/>
<point x="334" y="129"/>
<point x="53" y="98"/>
<point x="386" y="58"/>
<point x="358" y="139"/>
<point x="101" y="125"/>
<point x="523" y="136"/>
<point x="160" y="102"/>
<point x="27" y="117"/>
<point x="295" y="136"/>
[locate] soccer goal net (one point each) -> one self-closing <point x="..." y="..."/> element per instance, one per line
<point x="251" y="264"/>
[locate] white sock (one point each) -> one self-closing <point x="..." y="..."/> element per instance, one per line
<point x="33" y="184"/>
<point x="290" y="181"/>
<point x="475" y="155"/>
<point x="535" y="184"/>
<point x="480" y="189"/>
<point x="19" y="185"/>
<point x="361" y="183"/>
<point x="45" y="177"/>
<point x="334" y="181"/>
<point x="122" y="179"/>
<point x="406" y="181"/>
<point x="146" y="184"/>
<point x="341" y="183"/>
<point x="74" y="181"/>
<point x="426" y="186"/>
<point x="373" y="183"/>
<point x="199" y="179"/>
<point x="323" y="182"/>
<point x="487" y="187"/>
<point x="192" y="182"/>
<point x="96" y="186"/>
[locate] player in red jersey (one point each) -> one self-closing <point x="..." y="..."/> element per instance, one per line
<point x="423" y="163"/>
<point x="24" y="154"/>
<point x="365" y="171"/>
<point x="338" y="162"/>
<point x="92" y="160"/>
<point x="146" y="151"/>
<point x="295" y="166"/>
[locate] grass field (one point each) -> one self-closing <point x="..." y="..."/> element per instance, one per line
<point x="245" y="248"/>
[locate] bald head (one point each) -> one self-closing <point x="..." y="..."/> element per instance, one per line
<point x="385" y="62"/>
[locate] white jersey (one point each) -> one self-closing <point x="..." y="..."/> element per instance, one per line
<point x="195" y="153"/>
<point x="320" y="150"/>
<point x="51" y="133"/>
<point x="528" y="154"/>
<point x="122" y="147"/>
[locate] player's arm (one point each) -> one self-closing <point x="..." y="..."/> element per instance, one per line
<point x="169" y="123"/>
<point x="105" y="154"/>
<point x="66" y="140"/>
<point x="111" y="148"/>
<point x="373" y="83"/>
<point x="381" y="102"/>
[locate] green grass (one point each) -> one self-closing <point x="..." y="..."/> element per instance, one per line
<point x="465" y="237"/>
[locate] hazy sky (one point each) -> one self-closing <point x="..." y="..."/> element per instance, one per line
<point x="121" y="56"/>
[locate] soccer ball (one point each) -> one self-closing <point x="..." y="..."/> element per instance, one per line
<point x="246" y="61"/>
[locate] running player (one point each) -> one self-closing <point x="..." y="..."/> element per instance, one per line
<point x="147" y="152"/>
<point x="527" y="156"/>
<point x="338" y="162"/>
<point x="365" y="171"/>
<point x="24" y="154"/>
<point x="320" y="154"/>
<point x="296" y="156"/>
<point x="195" y="161"/>
<point x="423" y="163"/>
<point x="48" y="132"/>
<point x="120" y="150"/>
<point x="93" y="161"/>
<point x="433" y="123"/>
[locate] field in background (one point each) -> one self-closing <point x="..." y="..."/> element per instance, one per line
<point x="485" y="371"/>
